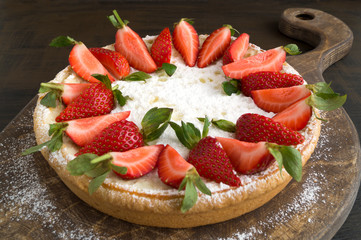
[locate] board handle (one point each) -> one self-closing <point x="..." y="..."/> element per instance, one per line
<point x="331" y="37"/>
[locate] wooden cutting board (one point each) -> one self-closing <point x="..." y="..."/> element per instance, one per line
<point x="36" y="204"/>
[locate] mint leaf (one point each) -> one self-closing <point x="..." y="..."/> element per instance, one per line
<point x="104" y="79"/>
<point x="81" y="164"/>
<point x="292" y="49"/>
<point x="169" y="68"/>
<point x="118" y="95"/>
<point x="152" y="121"/>
<point x="62" y="41"/>
<point x="324" y="98"/>
<point x="230" y="87"/>
<point x="137" y="76"/>
<point x="225" y="125"/>
<point x="277" y="155"/>
<point x="97" y="182"/>
<point x="292" y="161"/>
<point x="49" y="100"/>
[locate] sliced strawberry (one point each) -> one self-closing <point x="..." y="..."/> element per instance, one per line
<point x="271" y="60"/>
<point x="267" y="80"/>
<point x="113" y="61"/>
<point x="237" y="49"/>
<point x="214" y="46"/>
<point x="83" y="131"/>
<point x="278" y="99"/>
<point x="172" y="167"/>
<point x="246" y="157"/>
<point x="186" y="41"/>
<point x="72" y="91"/>
<point x="131" y="46"/>
<point x="85" y="64"/>
<point x="176" y="172"/>
<point x="138" y="161"/>
<point x="295" y="116"/>
<point x="251" y="127"/>
<point x="161" y="50"/>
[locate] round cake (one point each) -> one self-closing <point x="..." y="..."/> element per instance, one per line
<point x="192" y="93"/>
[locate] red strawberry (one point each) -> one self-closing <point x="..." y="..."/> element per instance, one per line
<point x="278" y="99"/>
<point x="206" y="154"/>
<point x="246" y="157"/>
<point x="94" y="101"/>
<point x="81" y="60"/>
<point x="237" y="49"/>
<point x="211" y="161"/>
<point x="138" y="162"/>
<point x="271" y="60"/>
<point x="125" y="135"/>
<point x="296" y="116"/>
<point x="85" y="64"/>
<point x="214" y="46"/>
<point x="251" y="127"/>
<point x="176" y="172"/>
<point x="113" y="61"/>
<point x="161" y="50"/>
<point x="267" y="80"/>
<point x="131" y="46"/>
<point x="120" y="136"/>
<point x="186" y="41"/>
<point x="82" y="131"/>
<point x="172" y="167"/>
<point x="67" y="92"/>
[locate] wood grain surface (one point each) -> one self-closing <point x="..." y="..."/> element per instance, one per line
<point x="35" y="204"/>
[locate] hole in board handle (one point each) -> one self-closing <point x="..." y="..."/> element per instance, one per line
<point x="305" y="16"/>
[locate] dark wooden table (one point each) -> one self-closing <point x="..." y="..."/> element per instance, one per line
<point x="26" y="28"/>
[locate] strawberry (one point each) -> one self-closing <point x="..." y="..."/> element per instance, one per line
<point x="186" y="41"/>
<point x="161" y="50"/>
<point x="267" y="80"/>
<point x="81" y="59"/>
<point x="247" y="157"/>
<point x="176" y="172"/>
<point x="125" y="135"/>
<point x="128" y="165"/>
<point x="214" y="46"/>
<point x="271" y="60"/>
<point x="81" y="131"/>
<point x="64" y="92"/>
<point x="120" y="136"/>
<point x="295" y="116"/>
<point x="129" y="44"/>
<point x="251" y="127"/>
<point x="113" y="61"/>
<point x="237" y="49"/>
<point x="94" y="101"/>
<point x="206" y="153"/>
<point x="278" y="99"/>
<point x="138" y="162"/>
<point x="250" y="158"/>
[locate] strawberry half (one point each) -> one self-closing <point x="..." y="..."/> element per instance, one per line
<point x="120" y="136"/>
<point x="176" y="172"/>
<point x="251" y="127"/>
<point x="278" y="99"/>
<point x="296" y="116"/>
<point x="186" y="41"/>
<point x="250" y="158"/>
<point x="138" y="161"/>
<point x="129" y="44"/>
<point x="206" y="154"/>
<point x="81" y="131"/>
<point x="214" y="46"/>
<point x="237" y="49"/>
<point x="268" y="80"/>
<point x="161" y="50"/>
<point x="271" y="60"/>
<point x="124" y="135"/>
<point x="113" y="61"/>
<point x="247" y="157"/>
<point x="128" y="165"/>
<point x="64" y="92"/>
